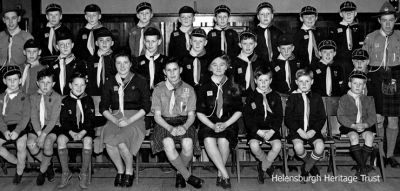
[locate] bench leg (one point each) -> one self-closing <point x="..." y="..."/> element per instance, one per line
<point x="382" y="166"/>
<point x="333" y="159"/>
<point x="237" y="165"/>
<point x="234" y="159"/>
<point x="285" y="159"/>
<point x="137" y="167"/>
<point x="90" y="171"/>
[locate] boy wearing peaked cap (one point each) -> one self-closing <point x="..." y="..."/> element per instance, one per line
<point x="360" y="59"/>
<point x="144" y="12"/>
<point x="267" y="34"/>
<point x="32" y="66"/>
<point x="179" y="44"/>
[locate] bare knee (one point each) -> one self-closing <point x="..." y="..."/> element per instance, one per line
<point x="87" y="143"/>
<point x="298" y="146"/>
<point x="62" y="141"/>
<point x="276" y="146"/>
<point x="254" y="145"/>
<point x="169" y="144"/>
<point x="393" y="122"/>
<point x="369" y="138"/>
<point x="319" y="146"/>
<point x="187" y="145"/>
<point x="353" y="136"/>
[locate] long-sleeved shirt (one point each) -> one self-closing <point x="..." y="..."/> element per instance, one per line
<point x="32" y="79"/>
<point x="52" y="103"/>
<point x="261" y="48"/>
<point x="68" y="118"/>
<point x="18" y="40"/>
<point x="177" y="45"/>
<point x="301" y="44"/>
<point x="347" y="110"/>
<point x="141" y="66"/>
<point x="109" y="73"/>
<point x="80" y="46"/>
<point x="134" y="40"/>
<point x="319" y="85"/>
<point x="43" y="38"/>
<point x="187" y="69"/>
<point x="279" y="83"/>
<point x="18" y="111"/>
<point x="213" y="46"/>
<point x="374" y="43"/>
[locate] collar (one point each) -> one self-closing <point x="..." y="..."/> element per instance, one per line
<point x="263" y="92"/>
<point x="34" y="63"/>
<point x="148" y="55"/>
<point x="40" y="92"/>
<point x="142" y="25"/>
<point x="248" y="58"/>
<point x="92" y="27"/>
<point x="68" y="58"/>
<point x="102" y="53"/>
<point x="280" y="57"/>
<point x="384" y="34"/>
<point x="353" y="95"/>
<point x="304" y="27"/>
<point x="13" y="33"/>
<point x="223" y="80"/>
<point x="298" y="91"/>
<point x="171" y="86"/>
<point x="195" y="54"/>
<point x="127" y="79"/>
<point x="55" y="26"/>
<point x="77" y="97"/>
<point x="186" y="29"/>
<point x="12" y="94"/>
<point x="324" y="63"/>
<point x="264" y="26"/>
<point x="217" y="27"/>
<point x="344" y="23"/>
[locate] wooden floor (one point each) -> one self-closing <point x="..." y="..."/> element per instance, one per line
<point x="152" y="179"/>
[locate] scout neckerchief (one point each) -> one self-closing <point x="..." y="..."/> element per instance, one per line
<point x="52" y="36"/>
<point x="122" y="85"/>
<point x="267" y="36"/>
<point x="101" y="76"/>
<point x="141" y="26"/>
<point x="90" y="40"/>
<point x="312" y="44"/>
<point x="328" y="78"/>
<point x="10" y="43"/>
<point x="80" y="117"/>
<point x="26" y="74"/>
<point x="42" y="108"/>
<point x="265" y="101"/>
<point x="385" y="50"/>
<point x="187" y="31"/>
<point x="151" y="57"/>
<point x="219" y="99"/>
<point x="9" y="96"/>
<point x="358" y="105"/>
<point x="196" y="65"/>
<point x="173" y="88"/>
<point x="224" y="45"/>
<point x="306" y="111"/>
<point x="288" y="73"/>
<point x="349" y="35"/>
<point x="63" y="61"/>
<point x="249" y="76"/>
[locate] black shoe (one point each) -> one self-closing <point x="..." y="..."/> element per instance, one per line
<point x="180" y="181"/>
<point x="304" y="174"/>
<point x="226" y="183"/>
<point x="314" y="171"/>
<point x="219" y="181"/>
<point x="393" y="162"/>
<point x="17" y="178"/>
<point x="270" y="171"/>
<point x="128" y="180"/>
<point x="50" y="173"/>
<point x="40" y="179"/>
<point x="195" y="181"/>
<point x="260" y="177"/>
<point x="119" y="180"/>
<point x="358" y="175"/>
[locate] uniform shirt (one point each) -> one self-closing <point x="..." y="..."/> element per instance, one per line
<point x="136" y="95"/>
<point x="301" y="44"/>
<point x="33" y="71"/>
<point x="17" y="112"/>
<point x="319" y="85"/>
<point x="279" y="83"/>
<point x="185" y="100"/>
<point x="375" y="44"/>
<point x="239" y="70"/>
<point x="75" y="65"/>
<point x="18" y="40"/>
<point x="261" y="48"/>
<point x="207" y="105"/>
<point x="68" y="118"/>
<point x="347" y="110"/>
<point x="294" y="112"/>
<point x="142" y="68"/>
<point x="177" y="45"/>
<point x="43" y="38"/>
<point x="187" y="69"/>
<point x="109" y="72"/>
<point x="254" y="113"/>
<point x="52" y="103"/>
<point x="80" y="46"/>
<point x="213" y="46"/>
<point x="134" y="40"/>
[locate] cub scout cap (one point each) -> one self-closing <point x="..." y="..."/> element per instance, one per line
<point x="198" y="32"/>
<point x="360" y="54"/>
<point x="357" y="74"/>
<point x="53" y="7"/>
<point x="186" y="9"/>
<point x="10" y="70"/>
<point x="265" y="5"/>
<point x="31" y="43"/>
<point x="285" y="39"/>
<point x="92" y="8"/>
<point x="348" y="6"/>
<point x="327" y="44"/>
<point x="308" y="10"/>
<point x="102" y="32"/>
<point x="142" y="6"/>
<point x="63" y="34"/>
<point x="222" y="8"/>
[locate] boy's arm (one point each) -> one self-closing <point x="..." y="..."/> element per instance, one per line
<point x="341" y="113"/>
<point x="55" y="114"/>
<point x="320" y="116"/>
<point x="371" y="113"/>
<point x="89" y="115"/>
<point x="26" y="114"/>
<point x="290" y="119"/>
<point x="248" y="114"/>
<point x="278" y="114"/>
<point x="64" y="118"/>
<point x="35" y="114"/>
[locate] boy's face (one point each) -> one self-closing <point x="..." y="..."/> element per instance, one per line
<point x="304" y="83"/>
<point x="309" y="20"/>
<point x="248" y="45"/>
<point x="327" y="55"/>
<point x="173" y="72"/>
<point x="32" y="54"/>
<point x="11" y="20"/>
<point x="357" y="85"/>
<point x="104" y="43"/>
<point x="123" y="65"/>
<point x="198" y="43"/>
<point x="286" y="50"/>
<point x="348" y="16"/>
<point x="46" y="84"/>
<point x="151" y="43"/>
<point x="65" y="46"/>
<point x="387" y="23"/>
<point x="265" y="16"/>
<point x="12" y="82"/>
<point x="222" y="19"/>
<point x="144" y="16"/>
<point x="360" y="65"/>
<point x="54" y="17"/>
<point x="186" y="19"/>
<point x="263" y="82"/>
<point x="78" y="86"/>
<point x="93" y="17"/>
<point x="218" y="67"/>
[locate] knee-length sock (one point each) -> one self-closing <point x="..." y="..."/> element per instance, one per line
<point x="178" y="164"/>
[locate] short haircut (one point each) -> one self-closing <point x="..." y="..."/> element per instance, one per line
<point x="247" y="35"/>
<point x="123" y="53"/>
<point x="262" y="70"/>
<point x="304" y="72"/>
<point x="151" y="31"/>
<point x="171" y="60"/>
<point x="46" y="72"/>
<point x="78" y="75"/>
<point x="224" y="57"/>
